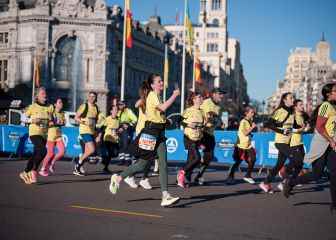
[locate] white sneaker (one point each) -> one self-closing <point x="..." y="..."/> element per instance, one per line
<point x="249" y="180"/>
<point x="130" y="182"/>
<point x="145" y="184"/>
<point x="169" y="200"/>
<point x="114" y="185"/>
<point x="280" y="187"/>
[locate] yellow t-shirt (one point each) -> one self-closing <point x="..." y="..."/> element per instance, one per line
<point x="152" y="113"/>
<point x="244" y="141"/>
<point x="296" y="138"/>
<point x="280" y="115"/>
<point x="127" y="116"/>
<point x="44" y="113"/>
<point x="327" y="110"/>
<point x="209" y="108"/>
<point x="111" y="130"/>
<point x="193" y="115"/>
<point x="54" y="132"/>
<point x="141" y="121"/>
<point x="88" y="124"/>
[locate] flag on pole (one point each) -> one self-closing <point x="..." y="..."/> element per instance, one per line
<point x="129" y="39"/>
<point x="36" y="74"/>
<point x="177" y="17"/>
<point x="189" y="29"/>
<point x="198" y="66"/>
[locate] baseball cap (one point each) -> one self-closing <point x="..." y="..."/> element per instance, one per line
<point x="218" y="90"/>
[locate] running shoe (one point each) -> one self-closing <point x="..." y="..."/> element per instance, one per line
<point x="168" y="200"/>
<point x="78" y="171"/>
<point x="114" y="185"/>
<point x="266" y="187"/>
<point x="44" y="173"/>
<point x="249" y="180"/>
<point x="181" y="178"/>
<point x="130" y="182"/>
<point x="282" y="172"/>
<point x="230" y="181"/>
<point x="52" y="168"/>
<point x="286" y="188"/>
<point x="199" y="181"/>
<point x="280" y="187"/>
<point x="32" y="176"/>
<point x="144" y="183"/>
<point x="24" y="176"/>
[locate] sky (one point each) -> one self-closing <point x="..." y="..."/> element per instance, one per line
<point x="267" y="31"/>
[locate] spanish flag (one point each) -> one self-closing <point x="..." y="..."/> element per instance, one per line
<point x="189" y="28"/>
<point x="129" y="39"/>
<point x="198" y="68"/>
<point x="36" y="74"/>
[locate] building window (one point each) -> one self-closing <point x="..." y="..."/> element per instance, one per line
<point x="88" y="70"/>
<point x="215" y="22"/>
<point x="3" y="73"/>
<point x="203" y="5"/>
<point x="3" y="37"/>
<point x="216" y="5"/>
<point x="212" y="47"/>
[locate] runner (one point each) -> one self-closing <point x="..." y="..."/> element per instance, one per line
<point x="40" y="114"/>
<point x="151" y="141"/>
<point x="87" y="116"/>
<point x="244" y="151"/>
<point x="111" y="137"/>
<point x="212" y="112"/>
<point x="193" y="122"/>
<point x="127" y="122"/>
<point x="55" y="140"/>
<point x="323" y="146"/>
<point x="281" y="122"/>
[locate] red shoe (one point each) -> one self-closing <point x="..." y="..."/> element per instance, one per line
<point x="44" y="173"/>
<point x="181" y="179"/>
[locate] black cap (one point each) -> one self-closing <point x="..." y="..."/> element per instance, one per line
<point x="120" y="102"/>
<point x="218" y="90"/>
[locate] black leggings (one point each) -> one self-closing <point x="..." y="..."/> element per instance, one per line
<point x="249" y="156"/>
<point x="296" y="161"/>
<point x="209" y="143"/>
<point x="329" y="160"/>
<point x="111" y="150"/>
<point x="194" y="157"/>
<point x="39" y="152"/>
<point x="284" y="153"/>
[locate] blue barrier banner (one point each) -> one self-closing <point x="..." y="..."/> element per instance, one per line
<point x="71" y="141"/>
<point x="1" y="138"/>
<point x="14" y="139"/>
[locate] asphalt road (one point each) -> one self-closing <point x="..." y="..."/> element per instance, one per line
<point x="65" y="206"/>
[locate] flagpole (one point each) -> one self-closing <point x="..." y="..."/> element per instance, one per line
<point x="194" y="75"/>
<point x="123" y="64"/>
<point x="183" y="57"/>
<point x="34" y="76"/>
<point x="165" y="73"/>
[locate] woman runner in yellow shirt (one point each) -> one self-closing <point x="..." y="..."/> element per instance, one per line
<point x="281" y="122"/>
<point x="55" y="140"/>
<point x="193" y="122"/>
<point x="111" y="137"/>
<point x="244" y="151"/>
<point x="323" y="152"/>
<point x="151" y="141"/>
<point x="40" y="114"/>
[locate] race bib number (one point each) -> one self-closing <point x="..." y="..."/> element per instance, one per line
<point x="147" y="142"/>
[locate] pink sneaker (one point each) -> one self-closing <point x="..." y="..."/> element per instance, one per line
<point x="181" y="179"/>
<point x="266" y="187"/>
<point x="52" y="168"/>
<point x="44" y="173"/>
<point x="33" y="176"/>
